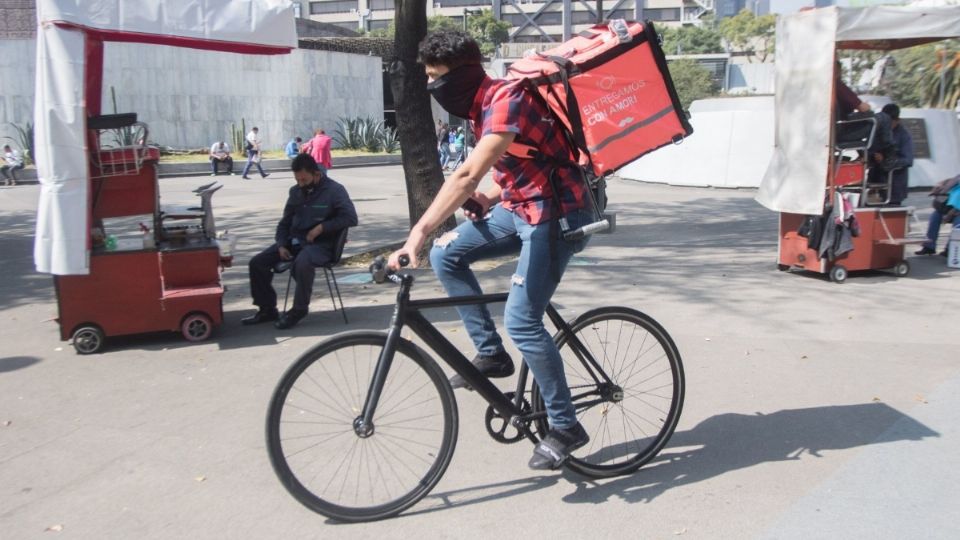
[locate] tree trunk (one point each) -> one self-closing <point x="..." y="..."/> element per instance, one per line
<point x="415" y="125"/>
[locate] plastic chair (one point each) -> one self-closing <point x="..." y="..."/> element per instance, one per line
<point x="328" y="273"/>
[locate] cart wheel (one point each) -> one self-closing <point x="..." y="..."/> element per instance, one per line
<point x="838" y="274"/>
<point x="196" y="327"/>
<point x="88" y="339"/>
<point x="783" y="267"/>
<point x="902" y="269"/>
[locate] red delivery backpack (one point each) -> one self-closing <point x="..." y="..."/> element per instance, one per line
<point x="610" y="88"/>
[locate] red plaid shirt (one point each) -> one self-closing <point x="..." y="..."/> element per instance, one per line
<point x="503" y="106"/>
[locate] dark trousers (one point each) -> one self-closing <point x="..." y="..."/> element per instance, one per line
<point x="304" y="270"/>
<point x="215" y="164"/>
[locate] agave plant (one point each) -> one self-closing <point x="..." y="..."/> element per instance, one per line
<point x="346" y="133"/>
<point x="369" y="133"/>
<point x="389" y="140"/>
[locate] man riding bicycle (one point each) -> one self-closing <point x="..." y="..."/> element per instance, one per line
<point x="520" y="213"/>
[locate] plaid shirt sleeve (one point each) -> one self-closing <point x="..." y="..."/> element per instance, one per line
<point x="525" y="184"/>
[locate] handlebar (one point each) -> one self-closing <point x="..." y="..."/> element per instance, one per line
<point x="380" y="272"/>
<point x="588" y="229"/>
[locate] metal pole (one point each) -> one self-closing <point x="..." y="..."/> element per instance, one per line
<point x="943" y="74"/>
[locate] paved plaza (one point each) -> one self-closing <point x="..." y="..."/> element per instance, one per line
<point x="813" y="410"/>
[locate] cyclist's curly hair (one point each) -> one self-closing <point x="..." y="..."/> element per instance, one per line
<point x="451" y="48"/>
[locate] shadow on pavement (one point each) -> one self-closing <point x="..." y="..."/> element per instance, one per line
<point x="728" y="442"/>
<point x="13" y="363"/>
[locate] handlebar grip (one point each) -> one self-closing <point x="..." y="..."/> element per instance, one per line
<point x="586" y="230"/>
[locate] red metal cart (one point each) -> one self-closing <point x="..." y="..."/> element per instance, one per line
<point x="167" y="280"/>
<point x="812" y="169"/>
<point x="98" y="171"/>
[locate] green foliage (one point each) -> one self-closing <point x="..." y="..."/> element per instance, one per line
<point x="912" y="78"/>
<point x="238" y="137"/>
<point x="26" y="140"/>
<point x="389" y="140"/>
<point x="488" y="32"/>
<point x="691" y="80"/>
<point x="442" y="22"/>
<point x="918" y="72"/>
<point x="703" y="39"/>
<point x="747" y="33"/>
<point x="364" y="134"/>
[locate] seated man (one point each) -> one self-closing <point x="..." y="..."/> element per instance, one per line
<point x="12" y="162"/>
<point x="293" y="147"/>
<point x="220" y="153"/>
<point x="897" y="157"/>
<point x="849" y="106"/>
<point x="946" y="209"/>
<point x="317" y="208"/>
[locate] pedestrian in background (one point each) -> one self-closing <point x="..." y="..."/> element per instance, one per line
<point x="319" y="149"/>
<point x="253" y="153"/>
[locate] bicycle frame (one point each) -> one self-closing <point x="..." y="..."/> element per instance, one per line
<point x="407" y="312"/>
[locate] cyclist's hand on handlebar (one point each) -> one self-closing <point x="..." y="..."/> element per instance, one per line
<point x="394" y="262"/>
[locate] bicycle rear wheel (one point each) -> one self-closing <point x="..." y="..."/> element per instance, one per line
<point x="639" y="413"/>
<point x="325" y="463"/>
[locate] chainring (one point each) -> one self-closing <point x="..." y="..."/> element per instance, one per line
<point x="499" y="428"/>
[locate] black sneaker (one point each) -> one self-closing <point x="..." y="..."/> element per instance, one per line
<point x="555" y="448"/>
<point x="925" y="251"/>
<point x="942" y="253"/>
<point x="266" y="174"/>
<point x="496" y="366"/>
<point x="261" y="316"/>
<point x="290" y="319"/>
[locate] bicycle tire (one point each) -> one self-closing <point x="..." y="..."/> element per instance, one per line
<point x="597" y="329"/>
<point x="300" y="411"/>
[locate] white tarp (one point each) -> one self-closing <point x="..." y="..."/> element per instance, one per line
<point x="806" y="44"/>
<point x="731" y="144"/>
<point x="250" y="26"/>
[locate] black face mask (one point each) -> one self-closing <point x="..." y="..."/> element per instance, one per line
<point x="456" y="89"/>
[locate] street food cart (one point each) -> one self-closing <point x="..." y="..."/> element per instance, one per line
<point x="98" y="174"/>
<point x="811" y="173"/>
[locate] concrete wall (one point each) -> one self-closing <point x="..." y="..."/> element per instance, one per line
<point x="189" y="98"/>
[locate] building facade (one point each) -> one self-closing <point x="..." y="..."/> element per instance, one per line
<point x="533" y="21"/>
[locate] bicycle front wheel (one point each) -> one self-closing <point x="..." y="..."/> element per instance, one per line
<point x="630" y="420"/>
<point x="349" y="476"/>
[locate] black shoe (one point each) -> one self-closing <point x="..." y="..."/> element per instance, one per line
<point x="942" y="253"/>
<point x="555" y="448"/>
<point x="261" y="316"/>
<point x="266" y="174"/>
<point x="495" y="367"/>
<point x="925" y="251"/>
<point x="245" y="177"/>
<point x="290" y="319"/>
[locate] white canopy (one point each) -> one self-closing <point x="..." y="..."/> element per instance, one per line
<point x="806" y="47"/>
<point x="64" y="36"/>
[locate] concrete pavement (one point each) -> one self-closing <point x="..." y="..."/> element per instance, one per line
<point x="813" y="410"/>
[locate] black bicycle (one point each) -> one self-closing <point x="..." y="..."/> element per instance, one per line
<point x="364" y="424"/>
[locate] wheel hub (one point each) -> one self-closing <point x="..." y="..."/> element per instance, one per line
<point x="362" y="429"/>
<point x="611" y="392"/>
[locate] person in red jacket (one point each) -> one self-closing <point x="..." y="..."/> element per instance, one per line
<point x="319" y="148"/>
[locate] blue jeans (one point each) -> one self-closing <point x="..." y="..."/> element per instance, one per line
<point x="933" y="230"/>
<point x="535" y="280"/>
<point x="251" y="162"/>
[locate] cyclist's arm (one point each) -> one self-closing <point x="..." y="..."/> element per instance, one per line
<point x="458" y="187"/>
